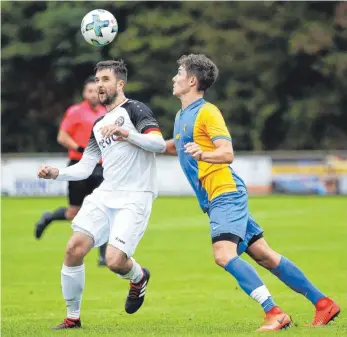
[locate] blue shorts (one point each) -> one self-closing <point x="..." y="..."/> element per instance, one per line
<point x="229" y="214"/>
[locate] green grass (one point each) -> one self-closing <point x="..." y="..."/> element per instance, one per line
<point x="188" y="294"/>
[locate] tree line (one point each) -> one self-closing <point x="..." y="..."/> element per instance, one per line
<point x="283" y="67"/>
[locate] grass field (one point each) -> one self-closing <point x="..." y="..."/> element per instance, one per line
<point x="188" y="294"/>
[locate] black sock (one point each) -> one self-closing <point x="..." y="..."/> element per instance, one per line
<point x="59" y="214"/>
<point x="102" y="250"/>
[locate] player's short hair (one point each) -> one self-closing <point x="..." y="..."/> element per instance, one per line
<point x="89" y="79"/>
<point x="118" y="67"/>
<point x="201" y="67"/>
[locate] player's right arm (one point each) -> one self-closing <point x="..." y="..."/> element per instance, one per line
<point x="80" y="171"/>
<point x="170" y="148"/>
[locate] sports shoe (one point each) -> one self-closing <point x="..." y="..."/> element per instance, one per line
<point x="68" y="324"/>
<point x="137" y="293"/>
<point x="326" y="311"/>
<point x="42" y="224"/>
<point x="275" y="319"/>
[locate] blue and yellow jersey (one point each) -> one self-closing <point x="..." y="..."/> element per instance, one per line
<point x="202" y="122"/>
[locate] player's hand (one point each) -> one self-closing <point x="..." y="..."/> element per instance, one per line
<point x="114" y="130"/>
<point x="194" y="150"/>
<point x="47" y="172"/>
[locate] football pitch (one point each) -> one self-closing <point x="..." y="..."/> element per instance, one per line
<point x="188" y="295"/>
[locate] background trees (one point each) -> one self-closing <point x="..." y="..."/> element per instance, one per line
<point x="283" y="67"/>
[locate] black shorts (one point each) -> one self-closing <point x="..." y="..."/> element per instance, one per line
<point x="78" y="190"/>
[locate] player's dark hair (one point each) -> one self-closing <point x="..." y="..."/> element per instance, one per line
<point x="89" y="79"/>
<point x="201" y="67"/>
<point x="118" y="67"/>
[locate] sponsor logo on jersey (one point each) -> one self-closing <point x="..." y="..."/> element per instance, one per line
<point x="119" y="121"/>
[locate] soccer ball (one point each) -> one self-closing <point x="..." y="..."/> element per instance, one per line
<point x="99" y="27"/>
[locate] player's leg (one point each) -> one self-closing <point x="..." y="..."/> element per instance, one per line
<point x="92" y="183"/>
<point x="294" y="278"/>
<point x="127" y="228"/>
<point x="229" y="229"/>
<point x="76" y="194"/>
<point x="91" y="228"/>
<point x="73" y="278"/>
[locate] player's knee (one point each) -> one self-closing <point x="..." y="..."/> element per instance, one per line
<point x="223" y="252"/>
<point x="221" y="259"/>
<point x="76" y="249"/>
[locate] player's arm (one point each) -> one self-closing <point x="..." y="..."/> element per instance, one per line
<point x="213" y="125"/>
<point x="171" y="148"/>
<point x="80" y="171"/>
<point x="223" y="154"/>
<point x="67" y="126"/>
<point x="148" y="136"/>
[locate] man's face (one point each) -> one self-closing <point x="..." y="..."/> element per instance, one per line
<point x="90" y="93"/>
<point x="107" y="86"/>
<point x="181" y="82"/>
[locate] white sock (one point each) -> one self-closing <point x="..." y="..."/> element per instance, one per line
<point x="260" y="294"/>
<point x="72" y="284"/>
<point x="135" y="274"/>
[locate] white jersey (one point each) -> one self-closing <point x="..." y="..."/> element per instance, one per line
<point x="127" y="167"/>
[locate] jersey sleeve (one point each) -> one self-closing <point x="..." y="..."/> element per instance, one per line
<point x="213" y="123"/>
<point x="70" y="120"/>
<point x="143" y="119"/>
<point x="92" y="150"/>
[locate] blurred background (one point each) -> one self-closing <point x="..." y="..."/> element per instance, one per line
<point x="282" y="85"/>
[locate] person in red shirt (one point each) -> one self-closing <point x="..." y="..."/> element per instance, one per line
<point x="74" y="132"/>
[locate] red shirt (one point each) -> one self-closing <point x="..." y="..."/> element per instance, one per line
<point x="78" y="123"/>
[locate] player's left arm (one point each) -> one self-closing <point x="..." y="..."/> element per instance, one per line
<point x="223" y="154"/>
<point x="214" y="126"/>
<point x="148" y="136"/>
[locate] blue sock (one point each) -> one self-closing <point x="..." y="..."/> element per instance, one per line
<point x="295" y="279"/>
<point x="250" y="282"/>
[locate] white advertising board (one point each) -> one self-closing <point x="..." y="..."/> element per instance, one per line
<point x="18" y="175"/>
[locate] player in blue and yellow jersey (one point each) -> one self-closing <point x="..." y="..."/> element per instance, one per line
<point x="204" y="148"/>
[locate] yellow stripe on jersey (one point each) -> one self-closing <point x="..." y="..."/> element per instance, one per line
<point x="209" y="126"/>
<point x="155" y="132"/>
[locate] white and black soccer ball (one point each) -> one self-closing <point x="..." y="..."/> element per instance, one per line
<point x="99" y="27"/>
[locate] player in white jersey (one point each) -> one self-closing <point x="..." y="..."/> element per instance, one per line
<point x="119" y="209"/>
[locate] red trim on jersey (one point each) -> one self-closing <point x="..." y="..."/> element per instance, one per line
<point x="152" y="130"/>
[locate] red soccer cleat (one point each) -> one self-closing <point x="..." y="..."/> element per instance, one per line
<point x="68" y="324"/>
<point x="326" y="311"/>
<point x="275" y="319"/>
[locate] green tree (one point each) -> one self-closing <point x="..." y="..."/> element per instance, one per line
<point x="282" y="67"/>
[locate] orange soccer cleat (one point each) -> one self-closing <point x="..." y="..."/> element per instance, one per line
<point x="326" y="311"/>
<point x="275" y="319"/>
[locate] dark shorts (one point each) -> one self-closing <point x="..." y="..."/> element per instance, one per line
<point x="78" y="190"/>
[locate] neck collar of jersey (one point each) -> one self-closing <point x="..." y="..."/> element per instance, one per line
<point x="192" y="105"/>
<point x="120" y="104"/>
